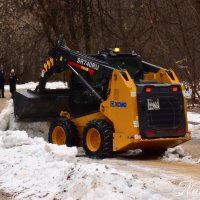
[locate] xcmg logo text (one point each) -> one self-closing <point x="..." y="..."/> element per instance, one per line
<point x="118" y="104"/>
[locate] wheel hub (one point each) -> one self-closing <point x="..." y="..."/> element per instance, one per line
<point x="93" y="139"/>
<point x="59" y="136"/>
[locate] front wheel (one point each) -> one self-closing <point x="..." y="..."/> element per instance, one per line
<point x="63" y="131"/>
<point x="98" y="139"/>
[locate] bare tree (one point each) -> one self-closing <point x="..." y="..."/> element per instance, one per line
<point x="163" y="32"/>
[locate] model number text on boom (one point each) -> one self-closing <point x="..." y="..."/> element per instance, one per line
<point x="87" y="63"/>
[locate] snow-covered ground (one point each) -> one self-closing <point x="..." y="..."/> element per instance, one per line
<point x="193" y="117"/>
<point x="194" y="124"/>
<point x="31" y="168"/>
<point x="178" y="154"/>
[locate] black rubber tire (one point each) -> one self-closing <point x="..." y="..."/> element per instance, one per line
<point x="106" y="134"/>
<point x="69" y="128"/>
<point x="153" y="152"/>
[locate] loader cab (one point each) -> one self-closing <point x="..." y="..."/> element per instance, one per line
<point x="131" y="62"/>
<point x="81" y="101"/>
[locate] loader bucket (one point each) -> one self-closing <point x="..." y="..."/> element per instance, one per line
<point x="32" y="105"/>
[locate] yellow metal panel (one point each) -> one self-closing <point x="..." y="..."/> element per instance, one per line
<point x="162" y="76"/>
<point x="45" y="67"/>
<point x="48" y="64"/>
<point x="51" y="61"/>
<point x="185" y="109"/>
<point x="160" y="143"/>
<point x="125" y="117"/>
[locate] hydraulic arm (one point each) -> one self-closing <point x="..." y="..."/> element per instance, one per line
<point x="62" y="58"/>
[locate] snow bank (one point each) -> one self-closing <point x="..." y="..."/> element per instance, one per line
<point x="34" y="129"/>
<point x="11" y="139"/>
<point x="178" y="154"/>
<point x="100" y="181"/>
<point x="29" y="85"/>
<point x="33" y="169"/>
<point x="61" y="153"/>
<point x="193" y="117"/>
<point x="32" y="85"/>
<point x="195" y="130"/>
<point x="194" y="124"/>
<point x="5" y="116"/>
<point x="30" y="166"/>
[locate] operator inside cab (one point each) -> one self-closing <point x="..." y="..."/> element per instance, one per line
<point x="131" y="62"/>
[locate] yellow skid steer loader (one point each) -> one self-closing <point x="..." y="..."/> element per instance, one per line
<point x="115" y="102"/>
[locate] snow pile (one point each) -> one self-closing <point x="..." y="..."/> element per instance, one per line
<point x="178" y="154"/>
<point x="54" y="85"/>
<point x="193" y="117"/>
<point x="33" y="164"/>
<point x="5" y="116"/>
<point x="33" y="169"/>
<point x="27" y="165"/>
<point x="34" y="129"/>
<point x="11" y="139"/>
<point x="135" y="152"/>
<point x="61" y="153"/>
<point x="100" y="181"/>
<point x="195" y="130"/>
<point x="194" y="124"/>
<point x="32" y="85"/>
<point x="7" y="122"/>
<point x="188" y="93"/>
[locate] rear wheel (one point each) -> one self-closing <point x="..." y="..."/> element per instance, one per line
<point x="98" y="139"/>
<point x="63" y="131"/>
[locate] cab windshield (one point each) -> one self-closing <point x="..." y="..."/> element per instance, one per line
<point x="132" y="65"/>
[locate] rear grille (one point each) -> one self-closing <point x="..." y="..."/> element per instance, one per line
<point x="167" y="117"/>
<point x="161" y="111"/>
